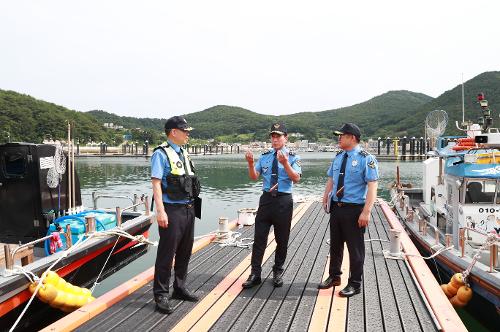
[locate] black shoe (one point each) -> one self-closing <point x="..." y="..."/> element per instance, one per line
<point x="252" y="280"/>
<point x="349" y="291"/>
<point x="329" y="282"/>
<point x="185" y="295"/>
<point x="162" y="304"/>
<point x="277" y="279"/>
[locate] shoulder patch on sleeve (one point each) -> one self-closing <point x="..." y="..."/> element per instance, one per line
<point x="371" y="164"/>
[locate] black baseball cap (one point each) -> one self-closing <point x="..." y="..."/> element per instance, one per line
<point x="278" y="128"/>
<point x="348" y="128"/>
<point x="177" y="122"/>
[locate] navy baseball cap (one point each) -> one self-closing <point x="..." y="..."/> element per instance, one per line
<point x="177" y="122"/>
<point x="348" y="128"/>
<point x="278" y="128"/>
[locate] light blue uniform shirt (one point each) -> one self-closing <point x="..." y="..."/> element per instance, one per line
<point x="359" y="171"/>
<point x="265" y="165"/>
<point x="160" y="168"/>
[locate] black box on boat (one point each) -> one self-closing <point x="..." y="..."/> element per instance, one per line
<point x="27" y="203"/>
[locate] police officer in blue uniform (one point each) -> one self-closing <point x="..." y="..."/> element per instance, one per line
<point x="280" y="168"/>
<point x="349" y="196"/>
<point x="174" y="182"/>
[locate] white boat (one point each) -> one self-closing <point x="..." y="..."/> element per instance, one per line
<point x="457" y="210"/>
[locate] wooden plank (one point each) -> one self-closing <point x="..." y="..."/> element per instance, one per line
<point x="319" y="319"/>
<point x="208" y="310"/>
<point x="443" y="310"/>
<point x="338" y="313"/>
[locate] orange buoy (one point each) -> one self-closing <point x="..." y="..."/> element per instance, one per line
<point x="455" y="301"/>
<point x="444" y="287"/>
<point x="464" y="294"/>
<point x="457" y="280"/>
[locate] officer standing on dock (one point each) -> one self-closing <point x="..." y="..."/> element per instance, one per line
<point x="174" y="188"/>
<point x="280" y="169"/>
<point x="349" y="196"/>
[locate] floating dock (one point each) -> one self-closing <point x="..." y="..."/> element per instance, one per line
<point x="397" y="295"/>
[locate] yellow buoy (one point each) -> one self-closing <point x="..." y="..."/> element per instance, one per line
<point x="51" y="278"/>
<point x="60" y="300"/>
<point x="47" y="293"/>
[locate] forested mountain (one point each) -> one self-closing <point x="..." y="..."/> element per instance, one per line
<point x="395" y="113"/>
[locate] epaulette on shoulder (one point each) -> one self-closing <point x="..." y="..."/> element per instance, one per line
<point x="267" y="152"/>
<point x="339" y="152"/>
<point x="291" y="153"/>
<point x="364" y="153"/>
<point x="162" y="146"/>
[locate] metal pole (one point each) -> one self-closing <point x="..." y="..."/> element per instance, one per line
<point x="118" y="216"/>
<point x="9" y="260"/>
<point x="461" y="239"/>
<point x="493" y="257"/>
<point x="146" y="205"/>
<point x="67" y="235"/>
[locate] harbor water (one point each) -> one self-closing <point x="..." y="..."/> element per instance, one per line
<point x="226" y="188"/>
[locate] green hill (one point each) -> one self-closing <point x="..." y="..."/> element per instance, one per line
<point x="395" y="113"/>
<point x="25" y="118"/>
<point x="451" y="102"/>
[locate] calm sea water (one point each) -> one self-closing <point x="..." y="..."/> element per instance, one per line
<point x="226" y="188"/>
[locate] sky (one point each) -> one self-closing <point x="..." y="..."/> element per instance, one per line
<point x="164" y="58"/>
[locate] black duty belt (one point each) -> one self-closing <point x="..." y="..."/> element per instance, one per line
<point x="343" y="204"/>
<point x="274" y="194"/>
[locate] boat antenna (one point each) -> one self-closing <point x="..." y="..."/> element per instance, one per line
<point x="463" y="100"/>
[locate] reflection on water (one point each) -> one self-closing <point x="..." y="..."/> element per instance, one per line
<point x="225" y="189"/>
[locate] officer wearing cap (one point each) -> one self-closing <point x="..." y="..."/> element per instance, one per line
<point x="280" y="168"/>
<point x="174" y="187"/>
<point x="349" y="196"/>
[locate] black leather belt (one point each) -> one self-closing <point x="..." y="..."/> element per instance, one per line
<point x="275" y="193"/>
<point x="186" y="205"/>
<point x="343" y="204"/>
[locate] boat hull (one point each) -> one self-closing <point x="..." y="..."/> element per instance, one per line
<point x="80" y="269"/>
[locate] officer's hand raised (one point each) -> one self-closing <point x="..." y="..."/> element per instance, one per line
<point x="162" y="219"/>
<point x="249" y="156"/>
<point x="282" y="157"/>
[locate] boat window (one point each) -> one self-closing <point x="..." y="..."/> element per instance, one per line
<point x="14" y="164"/>
<point x="480" y="191"/>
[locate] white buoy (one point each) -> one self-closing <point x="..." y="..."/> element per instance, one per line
<point x="223" y="225"/>
<point x="395" y="236"/>
<point x="246" y="216"/>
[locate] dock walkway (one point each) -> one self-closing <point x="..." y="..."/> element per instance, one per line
<point x="391" y="299"/>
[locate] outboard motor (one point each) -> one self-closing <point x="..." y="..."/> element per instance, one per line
<point x="27" y="203"/>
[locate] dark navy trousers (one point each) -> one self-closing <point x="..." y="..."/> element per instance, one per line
<point x="277" y="212"/>
<point x="344" y="229"/>
<point x="175" y="241"/>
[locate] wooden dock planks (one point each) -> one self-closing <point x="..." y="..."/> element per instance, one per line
<point x="390" y="300"/>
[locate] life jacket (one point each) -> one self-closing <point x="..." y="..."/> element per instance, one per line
<point x="182" y="183"/>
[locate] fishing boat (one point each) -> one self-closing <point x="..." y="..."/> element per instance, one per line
<point x="455" y="216"/>
<point x="43" y="226"/>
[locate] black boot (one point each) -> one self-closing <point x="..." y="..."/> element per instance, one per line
<point x="253" y="280"/>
